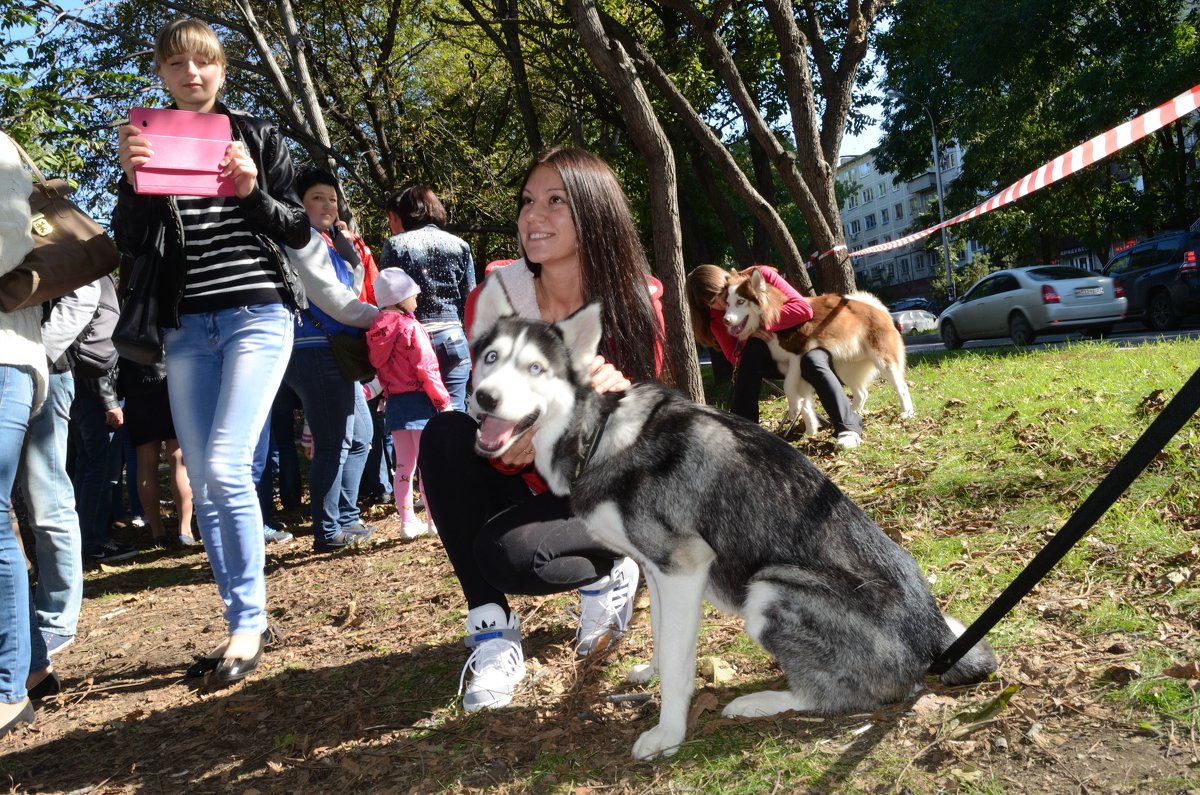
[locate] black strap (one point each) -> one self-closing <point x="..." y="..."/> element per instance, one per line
<point x="317" y="323"/>
<point x="1181" y="408"/>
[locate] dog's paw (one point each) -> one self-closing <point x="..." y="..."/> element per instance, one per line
<point x="907" y="415"/>
<point x="640" y="674"/>
<point x="761" y="705"/>
<point x="657" y="742"/>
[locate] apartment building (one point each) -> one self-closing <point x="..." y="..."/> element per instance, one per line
<point x="878" y="209"/>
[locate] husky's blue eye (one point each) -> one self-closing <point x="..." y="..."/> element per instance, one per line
<point x="535" y="369"/>
<point x="490" y="357"/>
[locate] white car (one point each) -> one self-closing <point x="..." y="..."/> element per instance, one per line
<point x="914" y="321"/>
<point x="1023" y="302"/>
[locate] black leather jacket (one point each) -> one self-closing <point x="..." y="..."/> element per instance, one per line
<point x="149" y="232"/>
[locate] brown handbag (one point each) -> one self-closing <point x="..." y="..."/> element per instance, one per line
<point x="69" y="248"/>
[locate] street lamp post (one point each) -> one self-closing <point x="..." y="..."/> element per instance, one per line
<point x="937" y="180"/>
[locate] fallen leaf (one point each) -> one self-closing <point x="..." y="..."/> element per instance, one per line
<point x="1183" y="671"/>
<point x="705" y="702"/>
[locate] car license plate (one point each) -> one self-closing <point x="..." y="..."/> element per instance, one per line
<point x="1089" y="291"/>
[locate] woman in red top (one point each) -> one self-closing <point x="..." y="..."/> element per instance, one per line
<point x="706" y="301"/>
<point x="503" y="531"/>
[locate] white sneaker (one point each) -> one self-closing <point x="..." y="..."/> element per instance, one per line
<point x="606" y="607"/>
<point x="848" y="439"/>
<point x="497" y="664"/>
<point x="413" y="528"/>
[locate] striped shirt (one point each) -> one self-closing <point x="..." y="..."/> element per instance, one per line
<point x="226" y="264"/>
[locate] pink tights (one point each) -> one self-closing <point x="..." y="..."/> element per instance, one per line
<point x="406" y="444"/>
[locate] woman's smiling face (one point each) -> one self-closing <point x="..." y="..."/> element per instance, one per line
<point x="545" y="223"/>
<point x="321" y="204"/>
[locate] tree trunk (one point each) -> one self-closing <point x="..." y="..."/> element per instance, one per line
<point x="614" y="64"/>
<point x="792" y="261"/>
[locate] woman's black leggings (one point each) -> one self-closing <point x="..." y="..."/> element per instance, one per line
<point x="816" y="368"/>
<point x="501" y="538"/>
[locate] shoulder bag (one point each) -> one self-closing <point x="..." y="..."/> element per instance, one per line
<point x="349" y="351"/>
<point x="69" y="248"/>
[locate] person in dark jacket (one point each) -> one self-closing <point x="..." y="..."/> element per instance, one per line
<point x="226" y="297"/>
<point x="442" y="266"/>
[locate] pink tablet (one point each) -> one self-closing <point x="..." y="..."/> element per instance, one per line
<point x="188" y="149"/>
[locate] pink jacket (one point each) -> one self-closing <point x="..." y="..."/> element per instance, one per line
<point x="401" y="352"/>
<point x="796" y="310"/>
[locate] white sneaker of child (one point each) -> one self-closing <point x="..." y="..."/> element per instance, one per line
<point x="606" y="606"/>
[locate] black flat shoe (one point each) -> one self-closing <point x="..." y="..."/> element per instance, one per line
<point x="231" y="669"/>
<point x="200" y="666"/>
<point x="50" y="686"/>
<point x="204" y="665"/>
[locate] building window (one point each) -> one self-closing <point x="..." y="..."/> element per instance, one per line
<point x="884" y="216"/>
<point x="852" y="201"/>
<point x="899" y="211"/>
<point x="870" y="221"/>
<point x="863" y="169"/>
<point x="882" y="189"/>
<point x="914" y="204"/>
<point x="855" y="228"/>
<point x="891" y="270"/>
<point x="867" y="195"/>
<point x="904" y="266"/>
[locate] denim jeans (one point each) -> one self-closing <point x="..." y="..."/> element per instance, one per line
<point x="97" y="456"/>
<point x="223" y="369"/>
<point x="454" y="360"/>
<point x="16" y="403"/>
<point x="50" y="501"/>
<point x="376" y="482"/>
<point x="334" y="408"/>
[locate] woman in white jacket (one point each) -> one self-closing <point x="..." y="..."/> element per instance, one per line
<point x="23" y="381"/>
<point x="335" y="408"/>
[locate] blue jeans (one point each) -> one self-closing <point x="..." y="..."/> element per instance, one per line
<point x="454" y="360"/>
<point x="97" y="458"/>
<point x="16" y="403"/>
<point x="335" y="409"/>
<point x="50" y="501"/>
<point x="223" y="369"/>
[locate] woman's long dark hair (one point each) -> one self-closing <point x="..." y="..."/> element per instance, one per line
<point x="612" y="261"/>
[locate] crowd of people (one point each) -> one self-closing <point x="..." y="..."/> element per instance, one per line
<point x="266" y="300"/>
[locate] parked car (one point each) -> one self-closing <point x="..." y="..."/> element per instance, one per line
<point x="1024" y="302"/>
<point x="1160" y="278"/>
<point x="912" y="303"/>
<point x="914" y="321"/>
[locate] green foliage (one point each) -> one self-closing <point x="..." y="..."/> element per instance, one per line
<point x="1082" y="67"/>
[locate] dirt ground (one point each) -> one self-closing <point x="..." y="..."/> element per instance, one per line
<point x="359" y="695"/>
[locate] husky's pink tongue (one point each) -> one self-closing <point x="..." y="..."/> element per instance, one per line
<point x="494" y="432"/>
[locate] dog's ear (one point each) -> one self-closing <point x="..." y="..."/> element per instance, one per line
<point x="757" y="281"/>
<point x="582" y="333"/>
<point x="490" y="305"/>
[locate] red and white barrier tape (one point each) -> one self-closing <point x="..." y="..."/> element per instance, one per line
<point x="1064" y="165"/>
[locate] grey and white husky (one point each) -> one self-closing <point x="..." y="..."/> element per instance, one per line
<point x="711" y="505"/>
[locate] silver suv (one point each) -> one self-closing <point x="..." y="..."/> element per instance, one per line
<point x="1160" y="277"/>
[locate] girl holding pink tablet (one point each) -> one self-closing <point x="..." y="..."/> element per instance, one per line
<point x="225" y="296"/>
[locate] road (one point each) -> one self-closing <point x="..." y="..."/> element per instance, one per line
<point x="1125" y="334"/>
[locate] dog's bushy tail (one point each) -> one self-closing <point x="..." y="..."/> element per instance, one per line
<point x="975" y="665"/>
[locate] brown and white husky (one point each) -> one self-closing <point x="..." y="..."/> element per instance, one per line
<point x="856" y="329"/>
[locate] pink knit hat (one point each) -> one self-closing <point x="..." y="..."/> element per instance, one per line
<point x="393" y="285"/>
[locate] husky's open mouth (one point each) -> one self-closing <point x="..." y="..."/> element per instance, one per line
<point x="495" y="433"/>
<point x="736" y="331"/>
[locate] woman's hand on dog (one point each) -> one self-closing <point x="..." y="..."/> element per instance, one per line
<point x="606" y="378"/>
<point x="520" y="453"/>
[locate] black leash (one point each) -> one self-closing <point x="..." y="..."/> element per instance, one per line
<point x="1181" y="408"/>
